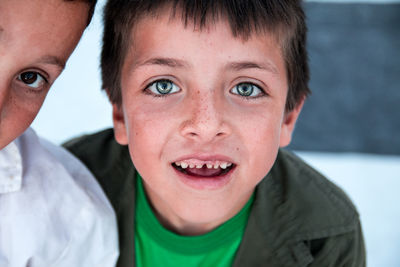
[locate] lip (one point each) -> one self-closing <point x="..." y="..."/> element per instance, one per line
<point x="206" y="158"/>
<point x="202" y="183"/>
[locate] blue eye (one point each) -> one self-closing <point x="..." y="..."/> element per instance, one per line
<point x="32" y="79"/>
<point x="163" y="87"/>
<point x="247" y="90"/>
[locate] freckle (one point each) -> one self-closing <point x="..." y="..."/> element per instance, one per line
<point x="237" y="149"/>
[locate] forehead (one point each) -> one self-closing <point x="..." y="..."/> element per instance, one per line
<point x="207" y="21"/>
<point x="166" y="15"/>
<point x="38" y="12"/>
<point x="171" y="36"/>
<point x="52" y="26"/>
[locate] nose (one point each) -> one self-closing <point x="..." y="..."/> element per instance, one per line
<point x="206" y="119"/>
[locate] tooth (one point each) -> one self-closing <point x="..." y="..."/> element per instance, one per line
<point x="223" y="165"/>
<point x="191" y="165"/>
<point x="177" y="163"/>
<point x="229" y="164"/>
<point x="184" y="165"/>
<point x="216" y="166"/>
<point x="199" y="166"/>
<point x="209" y="165"/>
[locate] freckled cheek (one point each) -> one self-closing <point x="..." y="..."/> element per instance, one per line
<point x="153" y="116"/>
<point x="261" y="139"/>
<point x="142" y="145"/>
<point x="255" y="124"/>
<point x="146" y="144"/>
<point x="22" y="109"/>
<point x="148" y="132"/>
<point x="26" y="100"/>
<point x="15" y="119"/>
<point x="261" y="151"/>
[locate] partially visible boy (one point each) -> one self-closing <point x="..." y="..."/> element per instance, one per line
<point x="204" y="94"/>
<point x="52" y="210"/>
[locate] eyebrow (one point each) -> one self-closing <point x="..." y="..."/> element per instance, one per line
<point x="53" y="60"/>
<point x="168" y="62"/>
<point x="48" y="59"/>
<point x="235" y="66"/>
<point x="243" y="65"/>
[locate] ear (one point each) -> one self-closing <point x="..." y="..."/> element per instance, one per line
<point x="288" y="124"/>
<point x="120" y="130"/>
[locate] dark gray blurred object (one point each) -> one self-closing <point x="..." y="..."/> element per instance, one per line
<point x="354" y="52"/>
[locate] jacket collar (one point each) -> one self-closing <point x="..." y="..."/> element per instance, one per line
<point x="293" y="205"/>
<point x="268" y="238"/>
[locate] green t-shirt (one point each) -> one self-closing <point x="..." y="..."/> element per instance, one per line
<point x="157" y="246"/>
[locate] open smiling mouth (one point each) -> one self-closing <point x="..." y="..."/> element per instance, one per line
<point x="204" y="170"/>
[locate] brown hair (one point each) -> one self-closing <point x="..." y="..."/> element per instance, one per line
<point x="283" y="18"/>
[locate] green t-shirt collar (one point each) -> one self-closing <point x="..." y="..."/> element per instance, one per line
<point x="228" y="232"/>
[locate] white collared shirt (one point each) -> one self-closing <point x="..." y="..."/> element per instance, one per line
<point x="53" y="213"/>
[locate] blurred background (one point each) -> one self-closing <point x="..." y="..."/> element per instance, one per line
<point x="349" y="128"/>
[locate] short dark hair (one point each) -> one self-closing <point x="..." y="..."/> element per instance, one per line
<point x="283" y="18"/>
<point x="92" y="5"/>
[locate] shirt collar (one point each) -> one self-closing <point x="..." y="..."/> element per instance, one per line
<point x="10" y="169"/>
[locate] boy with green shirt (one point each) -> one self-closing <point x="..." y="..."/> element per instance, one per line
<point x="204" y="95"/>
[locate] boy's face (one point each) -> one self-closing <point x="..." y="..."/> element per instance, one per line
<point x="203" y="114"/>
<point x="36" y="38"/>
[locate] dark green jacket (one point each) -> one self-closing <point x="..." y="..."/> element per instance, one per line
<point x="298" y="217"/>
